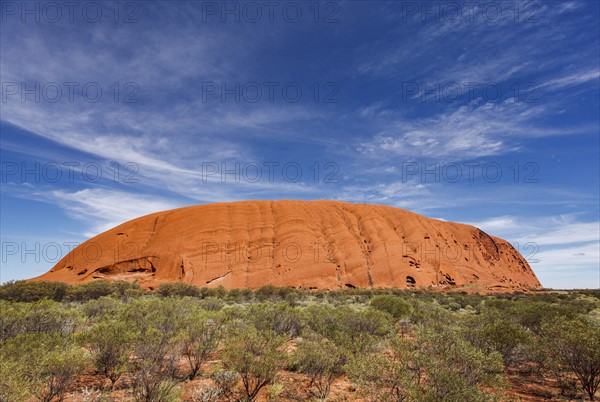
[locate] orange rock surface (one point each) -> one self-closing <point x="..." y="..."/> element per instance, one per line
<point x="308" y="244"/>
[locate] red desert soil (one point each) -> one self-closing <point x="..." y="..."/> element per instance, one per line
<point x="308" y="244"/>
<point x="296" y="387"/>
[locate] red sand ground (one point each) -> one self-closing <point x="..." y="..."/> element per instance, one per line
<point x="296" y="387"/>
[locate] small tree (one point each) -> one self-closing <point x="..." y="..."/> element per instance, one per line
<point x="436" y="366"/>
<point x="280" y="319"/>
<point x="156" y="349"/>
<point x="455" y="369"/>
<point x="59" y="369"/>
<point x="255" y="356"/>
<point x="575" y="345"/>
<point x="49" y="317"/>
<point x="388" y="377"/>
<point x="200" y="336"/>
<point x="321" y="361"/>
<point x="47" y="364"/>
<point x="154" y="366"/>
<point x="506" y="337"/>
<point x="110" y="342"/>
<point x="355" y="331"/>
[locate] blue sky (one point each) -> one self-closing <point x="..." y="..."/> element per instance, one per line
<point x="478" y="112"/>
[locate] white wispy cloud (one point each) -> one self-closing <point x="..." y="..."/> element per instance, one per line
<point x="555" y="246"/>
<point x="406" y="194"/>
<point x="106" y="208"/>
<point x="468" y="131"/>
<point x="573" y="79"/>
<point x="505" y="53"/>
<point x="550" y="231"/>
<point x="171" y="132"/>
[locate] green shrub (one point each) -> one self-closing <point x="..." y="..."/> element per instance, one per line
<point x="447" y="356"/>
<point x="225" y="380"/>
<point x="433" y="366"/>
<point x="165" y="315"/>
<point x="111" y="343"/>
<point x="355" y="331"/>
<point x="212" y="304"/>
<point x="219" y="292"/>
<point x="154" y="368"/>
<point x="456" y="370"/>
<point x="11" y="320"/>
<point x="281" y="319"/>
<point x="369" y="322"/>
<point x="13" y="382"/>
<point x="46" y="364"/>
<point x="430" y="314"/>
<point x="97" y="289"/>
<point x="156" y="347"/>
<point x="255" y="356"/>
<point x="393" y="376"/>
<point x="200" y="335"/>
<point x="44" y="316"/>
<point x="321" y="360"/>
<point x="393" y="305"/>
<point x="267" y="293"/>
<point x="528" y="313"/>
<point x="240" y="295"/>
<point x="23" y="291"/>
<point x="102" y="308"/>
<point x="575" y="345"/>
<point x="491" y="333"/>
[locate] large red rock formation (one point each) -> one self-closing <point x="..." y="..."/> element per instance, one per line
<point x="309" y="244"/>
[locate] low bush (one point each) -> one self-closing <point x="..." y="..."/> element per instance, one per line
<point x="46" y="365"/>
<point x="199" y="335"/>
<point x="321" y="360"/>
<point x="178" y="289"/>
<point x="575" y="345"/>
<point x="111" y="344"/>
<point x="393" y="305"/>
<point x="255" y="356"/>
<point x="278" y="318"/>
<point x="23" y="291"/>
<point x="397" y="345"/>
